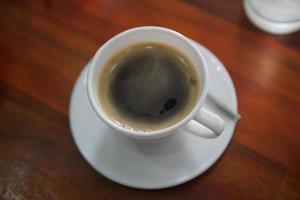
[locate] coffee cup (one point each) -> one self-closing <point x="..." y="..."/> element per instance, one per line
<point x="170" y="38"/>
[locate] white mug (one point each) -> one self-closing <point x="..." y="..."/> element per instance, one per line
<point x="170" y="38"/>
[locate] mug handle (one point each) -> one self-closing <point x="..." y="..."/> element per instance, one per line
<point x="208" y="119"/>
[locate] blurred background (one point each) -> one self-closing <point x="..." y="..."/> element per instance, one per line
<point x="44" y="44"/>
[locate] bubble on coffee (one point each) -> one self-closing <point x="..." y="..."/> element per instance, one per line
<point x="148" y="86"/>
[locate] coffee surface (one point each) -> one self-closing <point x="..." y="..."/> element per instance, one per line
<point x="148" y="86"/>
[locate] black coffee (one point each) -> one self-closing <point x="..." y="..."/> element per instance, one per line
<point x="148" y="86"/>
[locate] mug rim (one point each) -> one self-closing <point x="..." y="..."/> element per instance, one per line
<point x="156" y="133"/>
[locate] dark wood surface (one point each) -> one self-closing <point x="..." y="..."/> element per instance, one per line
<point x="45" y="44"/>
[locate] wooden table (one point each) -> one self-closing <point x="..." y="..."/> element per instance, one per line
<point x="45" y="44"/>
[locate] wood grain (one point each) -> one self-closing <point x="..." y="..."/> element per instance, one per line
<point x="45" y="44"/>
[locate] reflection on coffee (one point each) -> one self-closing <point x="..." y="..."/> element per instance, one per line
<point x="148" y="86"/>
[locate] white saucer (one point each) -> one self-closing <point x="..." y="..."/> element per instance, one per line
<point x="151" y="164"/>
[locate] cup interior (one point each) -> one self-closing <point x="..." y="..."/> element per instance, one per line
<point x="136" y="36"/>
